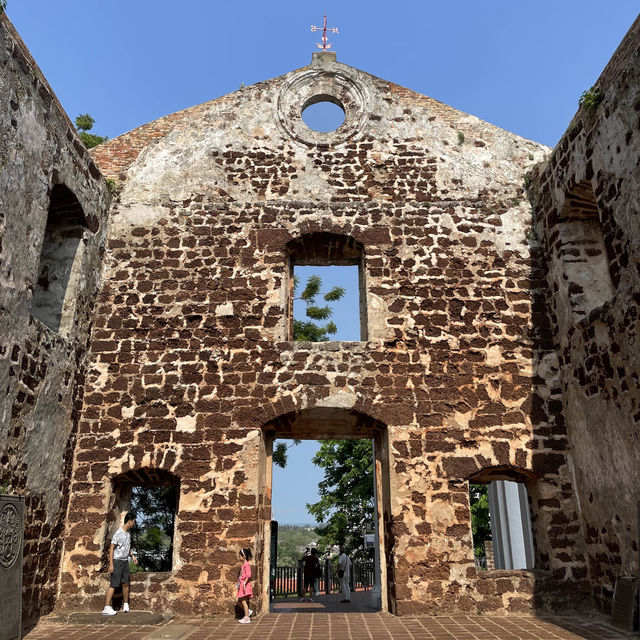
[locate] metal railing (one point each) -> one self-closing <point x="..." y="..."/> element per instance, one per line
<point x="287" y="581"/>
<point x="363" y="576"/>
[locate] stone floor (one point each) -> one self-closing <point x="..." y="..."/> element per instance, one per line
<point x="360" y="603"/>
<point x="338" y="626"/>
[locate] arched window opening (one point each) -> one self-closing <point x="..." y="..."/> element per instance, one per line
<point x="327" y="290"/>
<point x="60" y="266"/>
<point x="152" y="494"/>
<point x="582" y="250"/>
<point x="501" y="520"/>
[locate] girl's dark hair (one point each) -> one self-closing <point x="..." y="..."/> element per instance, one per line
<point x="246" y="553"/>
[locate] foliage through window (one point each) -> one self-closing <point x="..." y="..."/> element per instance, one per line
<point x="326" y="288"/>
<point x="317" y="324"/>
<point x="346" y="508"/>
<point x="152" y="537"/>
<point x="480" y="518"/>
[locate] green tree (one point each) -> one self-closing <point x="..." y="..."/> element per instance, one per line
<point x="155" y="509"/>
<point x="346" y="505"/>
<point x="280" y="452"/>
<point x="84" y="123"/>
<point x="310" y="330"/>
<point x="480" y="517"/>
<point x="292" y="539"/>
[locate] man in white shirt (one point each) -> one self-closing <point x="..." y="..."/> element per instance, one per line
<point x="344" y="573"/>
<point x="119" y="554"/>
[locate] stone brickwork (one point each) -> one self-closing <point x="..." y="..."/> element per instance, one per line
<point x="499" y="341"/>
<point x="592" y="178"/>
<point x="193" y="372"/>
<point x="41" y="370"/>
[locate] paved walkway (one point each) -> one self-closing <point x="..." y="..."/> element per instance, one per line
<point x="339" y="626"/>
<point x="360" y="603"/>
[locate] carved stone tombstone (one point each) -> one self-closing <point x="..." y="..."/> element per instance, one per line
<point x="11" y="541"/>
<point x="624" y="603"/>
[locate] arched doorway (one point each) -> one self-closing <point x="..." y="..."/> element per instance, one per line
<point x="332" y="423"/>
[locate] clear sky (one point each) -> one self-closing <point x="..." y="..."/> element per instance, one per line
<point x="519" y="64"/>
<point x="296" y="485"/>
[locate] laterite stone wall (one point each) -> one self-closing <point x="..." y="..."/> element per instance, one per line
<point x="599" y="352"/>
<point x="41" y="370"/>
<point x="500" y="286"/>
<point x="191" y="357"/>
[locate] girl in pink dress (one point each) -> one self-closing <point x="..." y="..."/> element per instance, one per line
<point x="245" y="592"/>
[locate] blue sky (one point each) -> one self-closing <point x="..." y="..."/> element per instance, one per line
<point x="296" y="485"/>
<point x="519" y="64"/>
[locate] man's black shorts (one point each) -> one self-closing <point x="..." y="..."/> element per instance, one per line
<point x="120" y="573"/>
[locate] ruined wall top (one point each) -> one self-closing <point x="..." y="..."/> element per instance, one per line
<point x="205" y="149"/>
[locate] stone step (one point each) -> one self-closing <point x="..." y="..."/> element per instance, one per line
<point x="140" y="618"/>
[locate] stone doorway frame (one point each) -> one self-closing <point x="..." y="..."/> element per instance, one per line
<point x="321" y="423"/>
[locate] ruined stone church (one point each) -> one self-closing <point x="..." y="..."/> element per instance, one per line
<point x="146" y="332"/>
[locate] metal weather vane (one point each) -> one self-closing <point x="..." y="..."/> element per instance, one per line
<point x="325" y="45"/>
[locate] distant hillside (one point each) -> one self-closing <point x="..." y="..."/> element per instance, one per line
<point x="292" y="540"/>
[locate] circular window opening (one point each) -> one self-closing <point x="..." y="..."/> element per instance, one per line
<point x="323" y="114"/>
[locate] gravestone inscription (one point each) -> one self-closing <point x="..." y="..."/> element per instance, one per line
<point x="11" y="543"/>
<point x="624" y="603"/>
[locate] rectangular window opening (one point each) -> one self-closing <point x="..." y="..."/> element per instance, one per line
<point x="312" y="518"/>
<point x="155" y="508"/>
<point x="501" y="525"/>
<point x="328" y="304"/>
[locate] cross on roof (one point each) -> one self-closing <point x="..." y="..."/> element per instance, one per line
<point x="325" y="45"/>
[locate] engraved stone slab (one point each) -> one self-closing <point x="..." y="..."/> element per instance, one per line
<point x="11" y="542"/>
<point x="93" y="618"/>
<point x="624" y="602"/>
<point x="171" y="632"/>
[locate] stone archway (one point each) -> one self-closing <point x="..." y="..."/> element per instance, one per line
<point x="318" y="423"/>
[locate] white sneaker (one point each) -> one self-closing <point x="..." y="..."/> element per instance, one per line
<point x="108" y="611"/>
<point x="245" y="621"/>
<point x="250" y="612"/>
<point x="125" y="607"/>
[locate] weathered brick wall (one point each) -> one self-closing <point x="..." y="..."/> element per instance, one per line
<point x="190" y="358"/>
<point x="40" y="371"/>
<point x="600" y="352"/>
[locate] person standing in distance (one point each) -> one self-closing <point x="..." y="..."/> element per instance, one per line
<point x="310" y="566"/>
<point x="344" y="573"/>
<point x="119" y="554"/>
